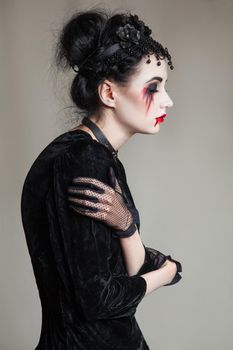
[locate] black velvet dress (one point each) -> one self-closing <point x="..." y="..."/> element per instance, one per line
<point x="88" y="300"/>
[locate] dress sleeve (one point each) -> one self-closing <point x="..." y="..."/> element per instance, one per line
<point x="86" y="241"/>
<point x="154" y="259"/>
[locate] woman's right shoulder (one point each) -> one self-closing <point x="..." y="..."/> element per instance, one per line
<point x="88" y="158"/>
<point x="86" y="149"/>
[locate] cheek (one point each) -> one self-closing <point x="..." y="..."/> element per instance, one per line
<point x="133" y="105"/>
<point x="148" y="99"/>
<point x="131" y="109"/>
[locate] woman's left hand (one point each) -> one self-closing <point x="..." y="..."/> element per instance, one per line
<point x="93" y="198"/>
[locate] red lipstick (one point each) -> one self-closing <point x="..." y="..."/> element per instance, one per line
<point x="160" y="119"/>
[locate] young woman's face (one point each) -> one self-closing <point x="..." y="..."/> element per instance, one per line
<point x="144" y="99"/>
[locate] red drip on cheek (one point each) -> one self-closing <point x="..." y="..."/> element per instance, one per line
<point x="149" y="98"/>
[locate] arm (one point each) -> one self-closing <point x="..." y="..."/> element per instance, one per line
<point x="134" y="253"/>
<point x="133" y="250"/>
<point x="140" y="259"/>
<point x="160" y="277"/>
<point x="86" y="242"/>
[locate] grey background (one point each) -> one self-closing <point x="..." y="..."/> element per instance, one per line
<point x="181" y="178"/>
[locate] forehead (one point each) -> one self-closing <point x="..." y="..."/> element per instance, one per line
<point x="149" y="70"/>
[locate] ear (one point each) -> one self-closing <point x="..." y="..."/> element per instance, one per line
<point x="107" y="92"/>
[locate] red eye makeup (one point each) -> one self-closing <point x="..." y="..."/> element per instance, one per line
<point x="148" y="95"/>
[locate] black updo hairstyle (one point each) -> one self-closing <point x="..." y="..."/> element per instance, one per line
<point x="89" y="31"/>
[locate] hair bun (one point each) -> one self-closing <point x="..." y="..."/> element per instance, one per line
<point x="79" y="37"/>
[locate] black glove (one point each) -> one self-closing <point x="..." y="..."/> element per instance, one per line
<point x="108" y="204"/>
<point x="154" y="259"/>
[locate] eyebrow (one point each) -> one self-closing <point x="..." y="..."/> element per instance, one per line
<point x="155" y="78"/>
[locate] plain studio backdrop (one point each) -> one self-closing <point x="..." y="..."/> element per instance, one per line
<point x="180" y="178"/>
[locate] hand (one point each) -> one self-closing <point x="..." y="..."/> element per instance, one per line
<point x="165" y="263"/>
<point x="172" y="268"/>
<point x="104" y="203"/>
<point x="170" y="263"/>
<point x="177" y="263"/>
<point x="155" y="259"/>
<point x="177" y="267"/>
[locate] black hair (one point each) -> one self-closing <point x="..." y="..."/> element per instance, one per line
<point x="87" y="32"/>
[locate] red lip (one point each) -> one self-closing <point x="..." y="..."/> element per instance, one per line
<point x="163" y="116"/>
<point x="160" y="119"/>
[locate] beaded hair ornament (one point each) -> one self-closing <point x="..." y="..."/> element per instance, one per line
<point x="129" y="40"/>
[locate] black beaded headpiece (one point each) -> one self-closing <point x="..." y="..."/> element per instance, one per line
<point x="130" y="39"/>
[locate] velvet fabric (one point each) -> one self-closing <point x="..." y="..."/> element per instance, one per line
<point x="88" y="300"/>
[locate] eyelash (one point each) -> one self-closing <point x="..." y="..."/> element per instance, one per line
<point x="153" y="88"/>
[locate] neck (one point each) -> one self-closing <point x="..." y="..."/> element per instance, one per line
<point x="115" y="132"/>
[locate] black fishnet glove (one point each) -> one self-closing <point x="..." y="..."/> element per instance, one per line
<point x="177" y="276"/>
<point x="154" y="260"/>
<point x="93" y="198"/>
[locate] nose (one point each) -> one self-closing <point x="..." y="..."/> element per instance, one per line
<point x="167" y="101"/>
<point x="170" y="103"/>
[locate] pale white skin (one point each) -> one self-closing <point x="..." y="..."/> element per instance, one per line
<point x="124" y="109"/>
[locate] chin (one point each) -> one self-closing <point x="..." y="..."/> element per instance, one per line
<point x="154" y="129"/>
<point x="151" y="130"/>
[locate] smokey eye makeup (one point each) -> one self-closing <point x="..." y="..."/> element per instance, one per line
<point x="148" y="95"/>
<point x="152" y="88"/>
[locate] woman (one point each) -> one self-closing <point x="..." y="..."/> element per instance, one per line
<point x="80" y="221"/>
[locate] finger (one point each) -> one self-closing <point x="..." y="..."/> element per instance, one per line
<point x="87" y="212"/>
<point x="112" y="177"/>
<point x="91" y="181"/>
<point x="118" y="187"/>
<point x="79" y="186"/>
<point x="84" y="192"/>
<point x="86" y="199"/>
<point x="101" y="207"/>
<point x="90" y="195"/>
<point x="85" y="202"/>
<point x="87" y="183"/>
<point x="95" y="215"/>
